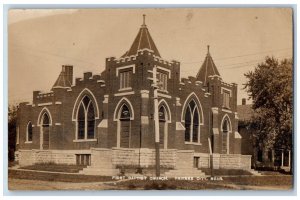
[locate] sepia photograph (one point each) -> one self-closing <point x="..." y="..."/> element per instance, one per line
<point x="151" y="99"/>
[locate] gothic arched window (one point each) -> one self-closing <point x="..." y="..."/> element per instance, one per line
<point x="225" y="135"/>
<point x="29" y="132"/>
<point x="125" y="126"/>
<point x="192" y="121"/>
<point x="86" y="119"/>
<point x="125" y="113"/>
<point x="161" y="114"/>
<point x="46" y="120"/>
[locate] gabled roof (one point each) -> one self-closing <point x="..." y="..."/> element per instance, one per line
<point x="143" y="40"/>
<point x="207" y="69"/>
<point x="62" y="80"/>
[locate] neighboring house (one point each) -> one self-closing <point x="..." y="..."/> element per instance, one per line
<point x="261" y="157"/>
<point x="106" y="120"/>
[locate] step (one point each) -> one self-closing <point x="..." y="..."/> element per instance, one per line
<point x="254" y="172"/>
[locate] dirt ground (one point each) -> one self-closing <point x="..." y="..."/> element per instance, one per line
<point x="22" y="179"/>
<point x="23" y="184"/>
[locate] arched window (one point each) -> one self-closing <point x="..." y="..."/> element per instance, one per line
<point x="125" y="126"/>
<point x="86" y="119"/>
<point x="46" y="120"/>
<point x="225" y="136"/>
<point x="162" y="126"/>
<point x="161" y="114"/>
<point x="192" y="121"/>
<point x="29" y="132"/>
<point x="46" y="131"/>
<point x="125" y="113"/>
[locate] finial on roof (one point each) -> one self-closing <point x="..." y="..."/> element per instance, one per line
<point x="144" y="19"/>
<point x="207" y="49"/>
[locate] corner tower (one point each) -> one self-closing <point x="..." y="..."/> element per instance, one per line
<point x="207" y="69"/>
<point x="143" y="40"/>
<point x="128" y="78"/>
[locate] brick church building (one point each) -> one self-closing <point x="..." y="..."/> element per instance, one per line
<point x="106" y="121"/>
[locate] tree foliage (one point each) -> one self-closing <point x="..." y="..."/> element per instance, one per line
<point x="270" y="87"/>
<point x="12" y="126"/>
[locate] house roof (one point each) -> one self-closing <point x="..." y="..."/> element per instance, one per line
<point x="62" y="80"/>
<point x="207" y="69"/>
<point x="245" y="112"/>
<point x="143" y="40"/>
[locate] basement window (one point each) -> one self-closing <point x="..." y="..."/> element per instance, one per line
<point x="196" y="162"/>
<point x="83" y="159"/>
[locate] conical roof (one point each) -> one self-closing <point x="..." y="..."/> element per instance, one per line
<point x="143" y="40"/>
<point x="65" y="77"/>
<point x="207" y="69"/>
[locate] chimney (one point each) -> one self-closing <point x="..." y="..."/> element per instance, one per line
<point x="243" y="101"/>
<point x="68" y="72"/>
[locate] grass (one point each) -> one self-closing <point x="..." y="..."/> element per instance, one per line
<point x="44" y="176"/>
<point x="226" y="184"/>
<point x="55" y="167"/>
<point x="260" y="180"/>
<point x="170" y="185"/>
<point x="226" y="172"/>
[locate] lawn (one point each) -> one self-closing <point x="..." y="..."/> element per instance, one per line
<point x="55" y="167"/>
<point x="50" y="180"/>
<point x="226" y="172"/>
<point x="56" y="177"/>
<point x="228" y="183"/>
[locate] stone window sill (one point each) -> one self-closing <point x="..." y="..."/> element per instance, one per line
<point x="226" y="110"/>
<point x="163" y="91"/>
<point x="193" y="143"/>
<point x="125" y="89"/>
<point x="85" y="140"/>
<point x="28" y="142"/>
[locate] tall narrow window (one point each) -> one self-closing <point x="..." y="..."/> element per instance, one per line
<point x="162" y="124"/>
<point x="192" y="121"/>
<point x="195" y="125"/>
<point x="125" y="79"/>
<point x="162" y="80"/>
<point x="46" y="131"/>
<point x="81" y="122"/>
<point x="225" y="131"/>
<point x="86" y="119"/>
<point x="46" y="120"/>
<point x="29" y="132"/>
<point x="125" y="127"/>
<point x="226" y="98"/>
<point x="188" y="123"/>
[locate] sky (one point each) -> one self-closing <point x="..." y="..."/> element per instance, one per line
<point x="40" y="41"/>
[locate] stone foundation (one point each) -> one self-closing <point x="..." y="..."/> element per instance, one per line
<point x="122" y="157"/>
<point x="143" y="157"/>
<point x="31" y="157"/>
<point x="225" y="161"/>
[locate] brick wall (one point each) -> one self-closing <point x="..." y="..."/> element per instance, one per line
<point x="63" y="101"/>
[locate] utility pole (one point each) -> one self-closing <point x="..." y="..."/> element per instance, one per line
<point x="156" y="121"/>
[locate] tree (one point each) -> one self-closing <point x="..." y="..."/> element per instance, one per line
<point x="12" y="129"/>
<point x="270" y="87"/>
